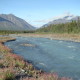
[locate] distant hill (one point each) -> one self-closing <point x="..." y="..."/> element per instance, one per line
<point x="69" y="27"/>
<point x="63" y="19"/>
<point x="11" y="22"/>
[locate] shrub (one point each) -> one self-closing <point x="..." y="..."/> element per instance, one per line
<point x="9" y="76"/>
<point x="1" y="65"/>
<point x="20" y="64"/>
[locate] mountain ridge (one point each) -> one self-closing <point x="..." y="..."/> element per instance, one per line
<point x="63" y="19"/>
<point x="12" y="22"/>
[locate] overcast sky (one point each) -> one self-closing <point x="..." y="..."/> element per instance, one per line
<point x="36" y="11"/>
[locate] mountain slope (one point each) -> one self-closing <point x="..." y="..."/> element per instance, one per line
<point x="11" y="22"/>
<point x="63" y="19"/>
<point x="71" y="27"/>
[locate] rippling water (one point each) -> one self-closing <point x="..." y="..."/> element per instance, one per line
<point x="58" y="56"/>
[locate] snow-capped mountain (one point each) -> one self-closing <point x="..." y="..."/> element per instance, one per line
<point x="62" y="19"/>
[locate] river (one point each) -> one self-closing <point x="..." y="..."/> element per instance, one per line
<point x="62" y="57"/>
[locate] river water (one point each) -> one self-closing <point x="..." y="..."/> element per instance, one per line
<point x="62" y="57"/>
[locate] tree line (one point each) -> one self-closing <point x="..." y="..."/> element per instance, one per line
<point x="70" y="27"/>
<point x="3" y="32"/>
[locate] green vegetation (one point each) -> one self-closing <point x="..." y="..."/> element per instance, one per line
<point x="72" y="27"/>
<point x="9" y="75"/>
<point x="3" y="32"/>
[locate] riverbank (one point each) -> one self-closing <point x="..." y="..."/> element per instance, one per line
<point x="65" y="36"/>
<point x="14" y="67"/>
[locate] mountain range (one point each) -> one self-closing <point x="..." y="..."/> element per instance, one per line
<point x="62" y="19"/>
<point x="11" y="22"/>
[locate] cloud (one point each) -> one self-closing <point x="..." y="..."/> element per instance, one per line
<point x="54" y="18"/>
<point x="43" y="21"/>
<point x="37" y="25"/>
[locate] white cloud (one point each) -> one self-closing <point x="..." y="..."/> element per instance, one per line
<point x="54" y="18"/>
<point x="39" y="23"/>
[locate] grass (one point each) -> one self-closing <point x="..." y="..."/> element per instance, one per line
<point x="9" y="75"/>
<point x="57" y="36"/>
